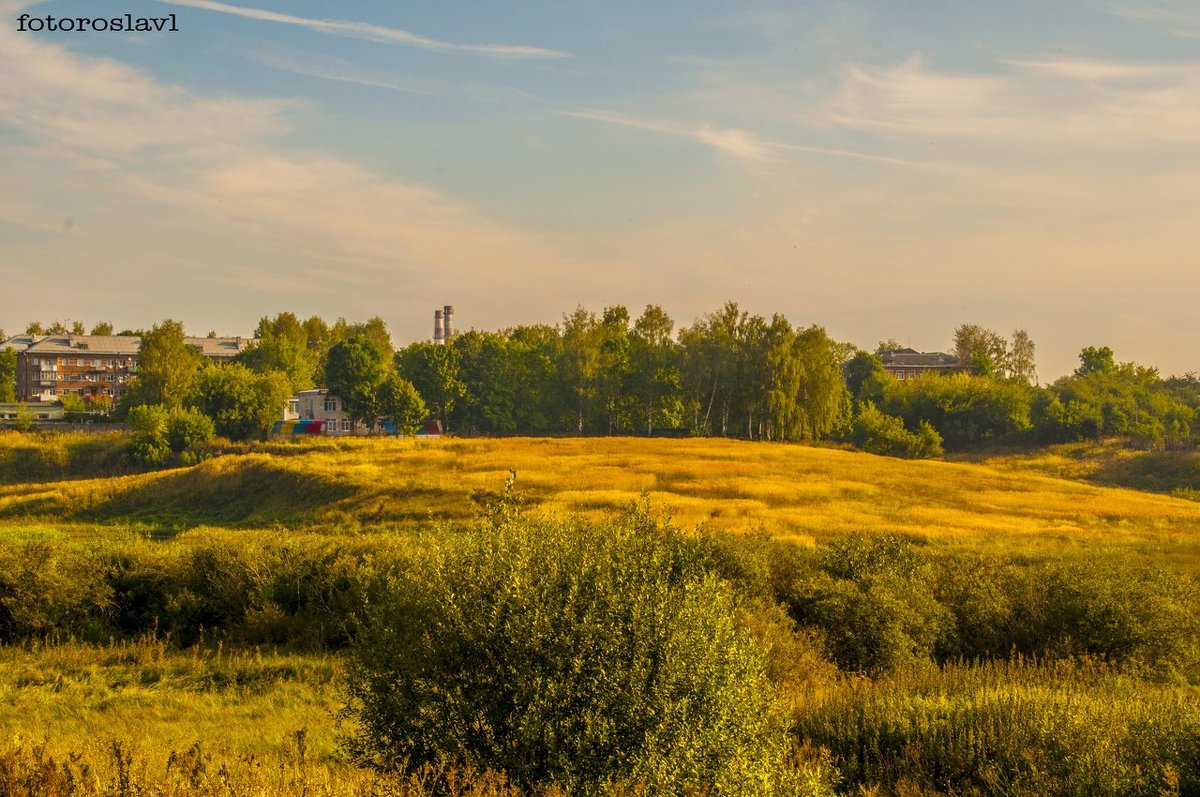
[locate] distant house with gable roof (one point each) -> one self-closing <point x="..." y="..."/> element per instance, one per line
<point x="912" y="364"/>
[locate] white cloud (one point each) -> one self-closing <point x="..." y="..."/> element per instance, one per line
<point x="194" y="206"/>
<point x="1178" y="17"/>
<point x="741" y="144"/>
<point x="1054" y="102"/>
<point x="369" y="32"/>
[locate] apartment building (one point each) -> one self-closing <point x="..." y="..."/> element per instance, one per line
<point x="93" y="366"/>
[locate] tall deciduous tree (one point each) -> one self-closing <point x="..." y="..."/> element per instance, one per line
<point x="282" y="345"/>
<point x="657" y="384"/>
<point x="242" y="404"/>
<point x="433" y="371"/>
<point x="982" y="349"/>
<point x="355" y="369"/>
<point x="400" y="404"/>
<point x="102" y="328"/>
<point x="488" y="369"/>
<point x="1096" y="361"/>
<point x="579" y="363"/>
<point x="1021" y="362"/>
<point x="167" y="368"/>
<point x="8" y="375"/>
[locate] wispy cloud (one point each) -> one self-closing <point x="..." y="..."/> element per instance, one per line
<point x="1177" y="17"/>
<point x="211" y="189"/>
<point x="323" y="67"/>
<point x="1052" y="101"/>
<point x="370" y="32"/>
<point x="742" y="144"/>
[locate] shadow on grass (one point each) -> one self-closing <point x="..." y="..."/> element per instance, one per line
<point x="251" y="494"/>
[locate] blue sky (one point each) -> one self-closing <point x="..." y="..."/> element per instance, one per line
<point x="885" y="169"/>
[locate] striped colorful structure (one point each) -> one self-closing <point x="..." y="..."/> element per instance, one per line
<point x="295" y="428"/>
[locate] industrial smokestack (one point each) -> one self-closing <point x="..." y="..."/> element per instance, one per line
<point x="448" y="322"/>
<point x="437" y="326"/>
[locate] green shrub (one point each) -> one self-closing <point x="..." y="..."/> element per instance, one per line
<point x="566" y="654"/>
<point x="48" y="589"/>
<point x="158" y="432"/>
<point x="873" y="599"/>
<point x="187" y="427"/>
<point x="878" y="433"/>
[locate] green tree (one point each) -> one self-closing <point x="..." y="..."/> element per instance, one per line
<point x="808" y="395"/>
<point x="1021" y="362"/>
<point x="102" y="328"/>
<point x="8" y="375"/>
<point x="187" y="427"/>
<point x="355" y="369"/>
<point x="373" y="329"/>
<point x="979" y="347"/>
<point x="400" y="404"/>
<point x="615" y="370"/>
<point x="541" y="401"/>
<point x="242" y="404"/>
<point x="579" y="364"/>
<point x="282" y="345"/>
<point x="1096" y="361"/>
<point x="167" y="368"/>
<point x="966" y="410"/>
<point x="657" y="382"/>
<point x="433" y="371"/>
<point x="487" y="367"/>
<point x="865" y="376"/>
<point x="710" y="365"/>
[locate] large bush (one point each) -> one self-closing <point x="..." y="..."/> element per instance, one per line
<point x="559" y="653"/>
<point x="878" y="433"/>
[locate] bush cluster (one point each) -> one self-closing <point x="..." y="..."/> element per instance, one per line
<point x="877" y="433"/>
<point x="159" y="433"/>
<point x="597" y="656"/>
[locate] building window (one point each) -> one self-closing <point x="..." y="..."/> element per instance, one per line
<point x="330" y="404"/>
<point x="331" y="425"/>
<point x="347" y="425"/>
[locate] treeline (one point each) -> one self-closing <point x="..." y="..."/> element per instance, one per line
<point x="1102" y="398"/>
<point x="730" y="373"/>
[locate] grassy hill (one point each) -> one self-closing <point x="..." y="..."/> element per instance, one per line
<point x="794" y="492"/>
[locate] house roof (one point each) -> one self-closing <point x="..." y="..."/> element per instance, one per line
<point x="908" y="358"/>
<point x="120" y="345"/>
<point x="20" y="342"/>
<point x="219" y="347"/>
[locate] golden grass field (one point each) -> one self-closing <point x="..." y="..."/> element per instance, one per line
<point x="248" y="706"/>
<point x="793" y="492"/>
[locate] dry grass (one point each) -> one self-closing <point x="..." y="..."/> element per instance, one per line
<point x="81" y="697"/>
<point x="792" y="491"/>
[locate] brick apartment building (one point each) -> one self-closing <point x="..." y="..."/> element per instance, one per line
<point x="93" y="366"/>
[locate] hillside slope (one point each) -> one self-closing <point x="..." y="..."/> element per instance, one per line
<point x="791" y="491"/>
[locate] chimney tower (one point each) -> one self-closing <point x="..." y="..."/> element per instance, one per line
<point x="437" y="326"/>
<point x="448" y="323"/>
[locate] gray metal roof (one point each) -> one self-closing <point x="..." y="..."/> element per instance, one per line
<point x="84" y="345"/>
<point x="121" y="345"/>
<point x="918" y="359"/>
